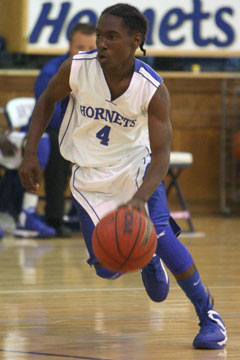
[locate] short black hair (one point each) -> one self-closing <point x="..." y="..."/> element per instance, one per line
<point x="132" y="18"/>
<point x="83" y="28"/>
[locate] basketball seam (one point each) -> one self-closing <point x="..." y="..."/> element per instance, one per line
<point x="140" y="257"/>
<point x="134" y="244"/>
<point x="103" y="248"/>
<point x="149" y="238"/>
<point x="116" y="236"/>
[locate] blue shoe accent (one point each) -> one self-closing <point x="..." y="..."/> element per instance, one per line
<point x="155" y="279"/>
<point x="212" y="334"/>
<point x="33" y="226"/>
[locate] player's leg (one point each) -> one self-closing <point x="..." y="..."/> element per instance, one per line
<point x="87" y="227"/>
<point x="30" y="224"/>
<point x="180" y="262"/>
<point x="154" y="275"/>
<point x="212" y="334"/>
<point x="56" y="178"/>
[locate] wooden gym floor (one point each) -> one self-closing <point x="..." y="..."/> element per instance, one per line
<point x="53" y="307"/>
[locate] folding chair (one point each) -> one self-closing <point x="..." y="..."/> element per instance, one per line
<point x="178" y="162"/>
<point x="18" y="111"/>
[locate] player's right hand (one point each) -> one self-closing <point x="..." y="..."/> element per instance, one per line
<point x="138" y="204"/>
<point x="29" y="172"/>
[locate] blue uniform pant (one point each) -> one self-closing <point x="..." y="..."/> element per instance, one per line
<point x="170" y="249"/>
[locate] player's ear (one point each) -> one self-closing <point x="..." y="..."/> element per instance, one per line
<point x="138" y="39"/>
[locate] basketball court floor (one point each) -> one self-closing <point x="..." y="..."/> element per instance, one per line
<point x="53" y="307"/>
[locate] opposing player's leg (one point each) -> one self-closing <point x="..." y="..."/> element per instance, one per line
<point x="30" y="224"/>
<point x="212" y="334"/>
<point x="56" y="177"/>
<point x="87" y="227"/>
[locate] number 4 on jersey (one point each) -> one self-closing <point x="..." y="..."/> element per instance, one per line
<point x="103" y="135"/>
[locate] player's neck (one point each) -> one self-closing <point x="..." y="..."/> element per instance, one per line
<point x="120" y="72"/>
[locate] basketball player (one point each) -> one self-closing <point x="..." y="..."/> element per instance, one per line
<point x="117" y="133"/>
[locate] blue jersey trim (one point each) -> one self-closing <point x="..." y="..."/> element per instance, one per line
<point x="87" y="52"/>
<point x="69" y="121"/>
<point x="82" y="53"/>
<point x="140" y="64"/>
<point x="85" y="58"/>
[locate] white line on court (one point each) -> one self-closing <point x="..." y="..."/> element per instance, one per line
<point x="35" y="291"/>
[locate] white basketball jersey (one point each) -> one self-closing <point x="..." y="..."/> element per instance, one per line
<point x="106" y="138"/>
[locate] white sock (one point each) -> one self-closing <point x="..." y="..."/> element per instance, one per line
<point x="22" y="219"/>
<point x="29" y="200"/>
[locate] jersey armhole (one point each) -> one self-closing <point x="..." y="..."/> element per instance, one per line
<point x="153" y="91"/>
<point x="73" y="79"/>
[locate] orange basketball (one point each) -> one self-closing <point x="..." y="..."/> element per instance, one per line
<point x="124" y="240"/>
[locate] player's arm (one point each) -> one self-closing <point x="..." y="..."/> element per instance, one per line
<point x="160" y="131"/>
<point x="57" y="89"/>
<point x="40" y="85"/>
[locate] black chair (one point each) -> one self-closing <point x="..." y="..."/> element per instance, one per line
<point x="178" y="162"/>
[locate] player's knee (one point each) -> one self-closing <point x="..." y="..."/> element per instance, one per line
<point x="174" y="254"/>
<point x="105" y="273"/>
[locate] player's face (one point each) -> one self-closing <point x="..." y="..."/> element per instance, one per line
<point x="82" y="42"/>
<point x="115" y="44"/>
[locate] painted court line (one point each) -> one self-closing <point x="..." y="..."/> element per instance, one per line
<point x="36" y="291"/>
